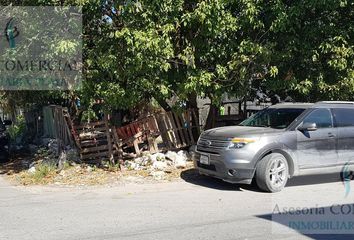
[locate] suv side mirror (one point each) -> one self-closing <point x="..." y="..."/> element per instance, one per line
<point x="7" y="122"/>
<point x="307" y="127"/>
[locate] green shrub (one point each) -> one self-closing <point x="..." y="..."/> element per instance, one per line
<point x="18" y="128"/>
<point x="43" y="175"/>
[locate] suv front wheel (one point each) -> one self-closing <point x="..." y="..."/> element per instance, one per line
<point x="272" y="172"/>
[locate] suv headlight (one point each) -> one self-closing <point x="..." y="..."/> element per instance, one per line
<point x="237" y="143"/>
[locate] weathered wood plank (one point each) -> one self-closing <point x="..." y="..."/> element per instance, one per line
<point x="184" y="132"/>
<point x="90" y="125"/>
<point x="165" y="135"/>
<point x="94" y="155"/>
<point x="93" y="149"/>
<point x="176" y="141"/>
<point x="109" y="139"/>
<point x="177" y="120"/>
<point x="189" y="121"/>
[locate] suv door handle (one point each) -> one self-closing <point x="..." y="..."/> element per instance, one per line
<point x="331" y="135"/>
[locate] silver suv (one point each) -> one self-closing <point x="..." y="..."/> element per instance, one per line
<point x="280" y="142"/>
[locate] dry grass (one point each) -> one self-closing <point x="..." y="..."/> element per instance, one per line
<point x="44" y="174"/>
<point x="82" y="175"/>
<point x="71" y="176"/>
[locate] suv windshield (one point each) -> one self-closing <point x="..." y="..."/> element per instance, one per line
<point x="279" y="118"/>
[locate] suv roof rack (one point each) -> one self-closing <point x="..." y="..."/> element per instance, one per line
<point x="294" y="103"/>
<point x="334" y="102"/>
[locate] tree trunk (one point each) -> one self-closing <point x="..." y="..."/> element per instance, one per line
<point x="212" y="115"/>
<point x="162" y="103"/>
<point x="193" y="105"/>
<point x="117" y="117"/>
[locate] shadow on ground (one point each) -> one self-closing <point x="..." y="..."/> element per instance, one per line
<point x="15" y="164"/>
<point x="192" y="176"/>
<point x="314" y="179"/>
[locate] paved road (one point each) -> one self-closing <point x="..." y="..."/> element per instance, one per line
<point x="199" y="208"/>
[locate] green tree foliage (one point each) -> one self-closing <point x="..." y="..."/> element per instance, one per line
<point x="135" y="50"/>
<point x="314" y="48"/>
<point x="182" y="48"/>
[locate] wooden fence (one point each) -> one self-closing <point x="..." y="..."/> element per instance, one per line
<point x="34" y="123"/>
<point x="178" y="129"/>
<point x="145" y="124"/>
<point x="139" y="131"/>
<point x="56" y="124"/>
<point x="94" y="140"/>
<point x="97" y="140"/>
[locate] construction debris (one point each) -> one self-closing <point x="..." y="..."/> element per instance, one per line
<point x="149" y="168"/>
<point x="143" y="147"/>
<point x="160" y="165"/>
<point x="50" y="152"/>
<point x="159" y="161"/>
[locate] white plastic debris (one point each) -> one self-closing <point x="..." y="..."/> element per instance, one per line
<point x="159" y="165"/>
<point x="157" y="157"/>
<point x="180" y="162"/>
<point x="171" y="155"/>
<point x="131" y="165"/>
<point x="179" y="159"/>
<point x="89" y="169"/>
<point x="143" y="161"/>
<point x="32" y="170"/>
<point x="159" y="161"/>
<point x="184" y="154"/>
<point x="139" y="160"/>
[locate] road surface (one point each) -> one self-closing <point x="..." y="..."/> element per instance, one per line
<point x="193" y="208"/>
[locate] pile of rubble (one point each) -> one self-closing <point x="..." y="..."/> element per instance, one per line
<point x="159" y="164"/>
<point x="48" y="152"/>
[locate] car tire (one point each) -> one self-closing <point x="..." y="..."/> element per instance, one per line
<point x="272" y="172"/>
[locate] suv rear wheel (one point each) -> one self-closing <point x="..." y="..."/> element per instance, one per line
<point x="272" y="172"/>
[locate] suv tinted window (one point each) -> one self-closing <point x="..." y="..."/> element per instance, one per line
<point x="344" y="117"/>
<point x="321" y="116"/>
<point x="273" y="117"/>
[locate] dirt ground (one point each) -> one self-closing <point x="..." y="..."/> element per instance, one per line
<point x="18" y="173"/>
